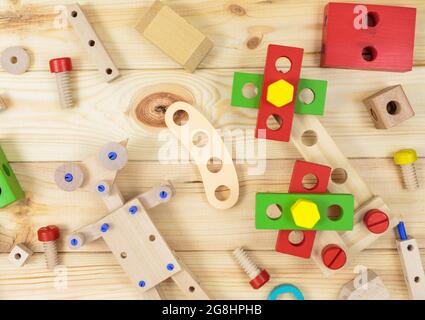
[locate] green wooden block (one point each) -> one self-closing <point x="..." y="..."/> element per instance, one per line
<point x="317" y="87"/>
<point x="317" y="106"/>
<point x="239" y="81"/>
<point x="326" y="203"/>
<point x="10" y="190"/>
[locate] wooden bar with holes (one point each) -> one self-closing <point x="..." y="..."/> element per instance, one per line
<point x="92" y="43"/>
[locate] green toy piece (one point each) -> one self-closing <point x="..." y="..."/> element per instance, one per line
<point x="10" y="190"/>
<point x="318" y="88"/>
<point x="336" y="211"/>
<point x="241" y="79"/>
<point x="317" y="106"/>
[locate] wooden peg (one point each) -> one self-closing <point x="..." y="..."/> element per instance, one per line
<point x="92" y="43"/>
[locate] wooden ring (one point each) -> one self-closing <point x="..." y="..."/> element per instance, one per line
<point x="15" y="60"/>
<point x="113" y="156"/>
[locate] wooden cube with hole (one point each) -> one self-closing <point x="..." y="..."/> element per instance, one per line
<point x="10" y="189"/>
<point x="19" y="255"/>
<point x="389" y="107"/>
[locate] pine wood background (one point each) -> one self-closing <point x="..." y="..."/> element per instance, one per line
<point x="37" y="136"/>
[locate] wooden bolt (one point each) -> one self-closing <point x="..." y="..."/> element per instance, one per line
<point x="406" y="159"/>
<point x="334" y="257"/>
<point x="62" y="67"/>
<point x="48" y="235"/>
<point x="376" y="221"/>
<point x="257" y="276"/>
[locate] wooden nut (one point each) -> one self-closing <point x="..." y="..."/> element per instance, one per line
<point x="19" y="255"/>
<point x="15" y="60"/>
<point x="69" y="177"/>
<point x="113" y="156"/>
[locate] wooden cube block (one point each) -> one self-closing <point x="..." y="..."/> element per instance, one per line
<point x="389" y="107"/>
<point x="174" y="36"/>
<point x="10" y="190"/>
<point x="19" y="255"/>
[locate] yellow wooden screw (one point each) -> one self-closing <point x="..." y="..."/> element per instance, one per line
<point x="406" y="159"/>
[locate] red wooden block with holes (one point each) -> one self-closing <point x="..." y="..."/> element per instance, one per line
<point x="302" y="169"/>
<point x="382" y="41"/>
<point x="271" y="75"/>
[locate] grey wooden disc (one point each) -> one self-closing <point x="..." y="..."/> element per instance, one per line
<point x="69" y="177"/>
<point x="113" y="156"/>
<point x="15" y="60"/>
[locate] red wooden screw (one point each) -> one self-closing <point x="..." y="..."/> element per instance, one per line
<point x="62" y="68"/>
<point x="257" y="276"/>
<point x="376" y="221"/>
<point x="48" y="235"/>
<point x="334" y="257"/>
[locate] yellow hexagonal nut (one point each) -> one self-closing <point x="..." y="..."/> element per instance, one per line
<point x="280" y="93"/>
<point x="305" y="213"/>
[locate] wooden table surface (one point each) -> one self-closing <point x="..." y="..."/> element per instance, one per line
<point x="37" y="136"/>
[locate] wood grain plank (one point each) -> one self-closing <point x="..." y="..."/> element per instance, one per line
<point x="98" y="276"/>
<point x="241" y="30"/>
<point x="188" y="222"/>
<point x="34" y="128"/>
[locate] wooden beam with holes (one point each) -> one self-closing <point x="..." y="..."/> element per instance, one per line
<point x="127" y="229"/>
<point x="207" y="148"/>
<point x="92" y="43"/>
<point x="332" y="250"/>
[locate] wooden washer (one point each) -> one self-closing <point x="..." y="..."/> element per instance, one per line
<point x="15" y="60"/>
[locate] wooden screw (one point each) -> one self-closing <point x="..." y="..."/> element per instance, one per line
<point x="62" y="68"/>
<point x="406" y="160"/>
<point x="257" y="276"/>
<point x="48" y="235"/>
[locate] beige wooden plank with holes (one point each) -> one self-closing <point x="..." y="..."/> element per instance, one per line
<point x="100" y="276"/>
<point x="91" y="42"/>
<point x="138" y="246"/>
<point x="413" y="269"/>
<point x="239" y="29"/>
